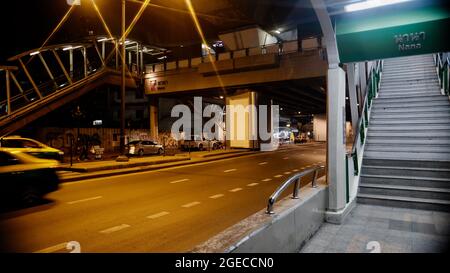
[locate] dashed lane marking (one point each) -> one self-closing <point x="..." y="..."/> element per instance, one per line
<point x="52" y="248"/>
<point x="252" y="184"/>
<point x="236" y="189"/>
<point x="287" y="172"/>
<point x="84" y="200"/>
<point x="266" y="179"/>
<point x="157" y="215"/>
<point x="216" y="196"/>
<point x="278" y="175"/>
<point x="178" y="181"/>
<point x="230" y="170"/>
<point x="114" y="229"/>
<point x="263" y="163"/>
<point x="188" y="205"/>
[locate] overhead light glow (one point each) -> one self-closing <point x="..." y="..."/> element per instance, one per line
<point x="369" y="4"/>
<point x="102" y="40"/>
<point x="34" y="53"/>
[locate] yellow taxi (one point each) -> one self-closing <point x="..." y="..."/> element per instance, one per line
<point x="30" y="146"/>
<point x="25" y="178"/>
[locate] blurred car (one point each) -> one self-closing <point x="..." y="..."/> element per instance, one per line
<point x="143" y="147"/>
<point x="30" y="146"/>
<point x="300" y="139"/>
<point x="25" y="178"/>
<point x="196" y="142"/>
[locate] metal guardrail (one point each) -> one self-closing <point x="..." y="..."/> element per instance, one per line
<point x="442" y="65"/>
<point x="296" y="180"/>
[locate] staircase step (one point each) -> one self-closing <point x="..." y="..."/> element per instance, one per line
<point x="415" y="98"/>
<point x="408" y="148"/>
<point x="413" y="83"/>
<point x="404" y="202"/>
<point x="411" y="110"/>
<point x="407" y="94"/>
<point x="401" y="180"/>
<point x="415" y="141"/>
<point x="407" y="171"/>
<point x="442" y="102"/>
<point x="421" y="116"/>
<point x="445" y="157"/>
<point x="411" y="127"/>
<point x="405" y="68"/>
<point x="410" y="76"/>
<point x="405" y="191"/>
<point x="408" y="122"/>
<point x="430" y="134"/>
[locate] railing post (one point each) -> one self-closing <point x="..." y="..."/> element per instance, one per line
<point x="296" y="186"/>
<point x="314" y="181"/>
<point x="8" y="92"/>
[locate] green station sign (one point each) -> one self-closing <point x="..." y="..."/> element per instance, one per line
<point x="393" y="33"/>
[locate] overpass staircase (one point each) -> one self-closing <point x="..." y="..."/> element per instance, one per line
<point x="41" y="80"/>
<point x="406" y="161"/>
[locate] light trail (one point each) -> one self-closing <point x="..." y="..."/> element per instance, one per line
<point x="202" y="36"/>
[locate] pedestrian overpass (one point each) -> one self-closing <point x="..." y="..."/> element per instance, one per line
<point x="40" y="80"/>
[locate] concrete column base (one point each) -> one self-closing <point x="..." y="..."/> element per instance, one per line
<point x="338" y="217"/>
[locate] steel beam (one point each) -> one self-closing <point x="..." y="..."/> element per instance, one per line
<point x="50" y="74"/>
<point x="30" y="78"/>
<point x="62" y="66"/>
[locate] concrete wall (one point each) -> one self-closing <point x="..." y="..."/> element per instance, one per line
<point x="320" y="127"/>
<point x="295" y="221"/>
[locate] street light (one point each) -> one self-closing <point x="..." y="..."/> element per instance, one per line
<point x="122" y="156"/>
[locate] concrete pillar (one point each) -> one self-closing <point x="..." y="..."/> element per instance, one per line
<point x="353" y="96"/>
<point x="242" y="126"/>
<point x="153" y="113"/>
<point x="336" y="138"/>
<point x="362" y="78"/>
<point x="320" y="127"/>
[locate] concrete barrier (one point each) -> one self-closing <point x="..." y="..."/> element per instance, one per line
<point x="295" y="221"/>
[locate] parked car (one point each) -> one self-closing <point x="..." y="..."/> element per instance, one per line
<point x="143" y="147"/>
<point x="25" y="178"/>
<point x="30" y="146"/>
<point x="196" y="142"/>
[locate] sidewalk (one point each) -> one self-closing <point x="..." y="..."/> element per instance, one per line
<point x="396" y="230"/>
<point x="102" y="168"/>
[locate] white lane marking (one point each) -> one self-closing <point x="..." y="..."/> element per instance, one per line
<point x="267" y="179"/>
<point x="230" y="170"/>
<point x="295" y="170"/>
<point x="52" y="248"/>
<point x="285" y="158"/>
<point x="278" y="175"/>
<point x="188" y="205"/>
<point x="236" y="189"/>
<point x="252" y="184"/>
<point x="216" y="196"/>
<point x="263" y="163"/>
<point x="114" y="229"/>
<point x="115" y="176"/>
<point x="157" y="215"/>
<point x="178" y="181"/>
<point x="287" y="172"/>
<point x="84" y="200"/>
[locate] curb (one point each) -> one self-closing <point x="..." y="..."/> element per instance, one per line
<point x="145" y="168"/>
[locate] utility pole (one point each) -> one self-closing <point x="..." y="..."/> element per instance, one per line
<point x="122" y="156"/>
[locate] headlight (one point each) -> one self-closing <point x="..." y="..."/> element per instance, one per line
<point x="61" y="153"/>
<point x="132" y="148"/>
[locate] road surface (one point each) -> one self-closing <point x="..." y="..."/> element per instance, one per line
<point x="169" y="210"/>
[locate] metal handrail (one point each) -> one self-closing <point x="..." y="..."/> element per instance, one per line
<point x="365" y="100"/>
<point x="296" y="180"/>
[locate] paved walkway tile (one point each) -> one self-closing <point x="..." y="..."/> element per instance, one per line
<point x="383" y="229"/>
